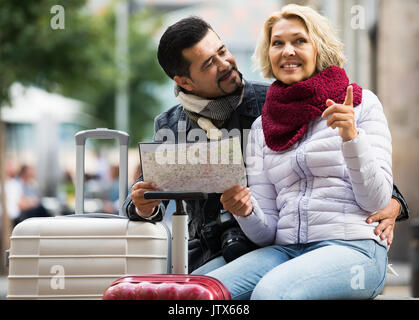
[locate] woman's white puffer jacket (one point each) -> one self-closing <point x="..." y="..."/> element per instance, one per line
<point x="321" y="188"/>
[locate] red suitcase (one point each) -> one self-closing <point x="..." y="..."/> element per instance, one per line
<point x="178" y="285"/>
<point x="167" y="287"/>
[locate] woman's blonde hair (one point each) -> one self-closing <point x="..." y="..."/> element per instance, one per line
<point x="329" y="47"/>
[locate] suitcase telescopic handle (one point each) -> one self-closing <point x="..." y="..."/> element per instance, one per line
<point x="101" y="133"/>
<point x="179" y="225"/>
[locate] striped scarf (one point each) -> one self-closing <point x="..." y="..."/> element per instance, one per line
<point x="209" y="114"/>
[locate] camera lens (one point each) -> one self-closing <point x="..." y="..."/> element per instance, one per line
<point x="234" y="244"/>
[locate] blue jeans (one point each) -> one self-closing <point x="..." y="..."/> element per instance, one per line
<point x="210" y="266"/>
<point x="332" y="269"/>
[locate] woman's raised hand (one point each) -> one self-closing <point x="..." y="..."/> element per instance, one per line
<point x="342" y="116"/>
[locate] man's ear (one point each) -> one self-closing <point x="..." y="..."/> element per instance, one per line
<point x="184" y="82"/>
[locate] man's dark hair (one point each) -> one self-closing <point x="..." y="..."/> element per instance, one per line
<point x="179" y="36"/>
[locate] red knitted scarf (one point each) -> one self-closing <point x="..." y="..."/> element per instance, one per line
<point x="289" y="109"/>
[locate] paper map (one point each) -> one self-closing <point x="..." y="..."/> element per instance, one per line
<point x="201" y="166"/>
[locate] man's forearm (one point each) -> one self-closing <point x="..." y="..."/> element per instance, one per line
<point x="404" y="209"/>
<point x="157" y="215"/>
<point x="126" y="207"/>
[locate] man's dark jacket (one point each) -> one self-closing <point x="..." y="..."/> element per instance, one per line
<point x="242" y="118"/>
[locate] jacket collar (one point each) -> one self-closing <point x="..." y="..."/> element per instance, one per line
<point x="249" y="106"/>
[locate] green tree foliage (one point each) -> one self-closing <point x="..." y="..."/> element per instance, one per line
<point x="32" y="52"/>
<point x="79" y="60"/>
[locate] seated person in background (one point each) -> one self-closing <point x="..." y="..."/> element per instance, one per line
<point x="30" y="201"/>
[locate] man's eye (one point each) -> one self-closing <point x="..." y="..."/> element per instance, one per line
<point x="223" y="52"/>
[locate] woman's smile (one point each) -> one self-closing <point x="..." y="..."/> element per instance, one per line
<point x="290" y="66"/>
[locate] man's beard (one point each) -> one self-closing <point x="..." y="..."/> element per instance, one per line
<point x="239" y="85"/>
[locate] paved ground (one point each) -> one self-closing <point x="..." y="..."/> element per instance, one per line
<point x="3" y="287"/>
<point x="397" y="287"/>
<point x="396" y="293"/>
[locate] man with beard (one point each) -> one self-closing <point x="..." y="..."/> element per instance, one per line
<point x="213" y="95"/>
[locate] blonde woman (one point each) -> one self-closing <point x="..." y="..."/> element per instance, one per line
<point x="319" y="162"/>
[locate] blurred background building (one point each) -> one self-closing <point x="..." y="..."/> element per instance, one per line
<point x="381" y="39"/>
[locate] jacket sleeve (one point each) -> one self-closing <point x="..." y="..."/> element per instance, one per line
<point x="260" y="226"/>
<point x="368" y="157"/>
<point x="404" y="211"/>
<point x="129" y="207"/>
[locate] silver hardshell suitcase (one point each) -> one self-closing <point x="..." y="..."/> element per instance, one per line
<point x="78" y="256"/>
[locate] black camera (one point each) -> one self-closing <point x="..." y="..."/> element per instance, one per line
<point x="225" y="233"/>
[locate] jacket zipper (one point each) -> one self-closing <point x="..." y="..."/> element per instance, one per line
<point x="298" y="154"/>
<point x="299" y="202"/>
